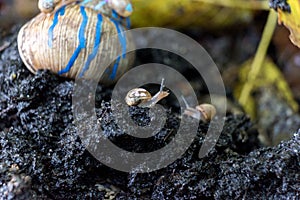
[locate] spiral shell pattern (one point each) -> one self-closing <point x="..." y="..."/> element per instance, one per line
<point x="74" y="41"/>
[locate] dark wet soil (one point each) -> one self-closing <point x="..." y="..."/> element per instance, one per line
<point x="42" y="156"/>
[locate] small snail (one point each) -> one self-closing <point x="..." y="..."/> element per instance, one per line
<point x="47" y="6"/>
<point x="281" y="4"/>
<point x="204" y="112"/>
<point x="72" y="38"/>
<point x="142" y="98"/>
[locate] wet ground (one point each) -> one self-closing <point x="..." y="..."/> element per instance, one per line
<point x="42" y="156"/>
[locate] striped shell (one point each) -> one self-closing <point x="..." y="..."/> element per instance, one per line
<point x="75" y="41"/>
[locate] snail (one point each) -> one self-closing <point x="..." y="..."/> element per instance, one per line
<point x="47" y="6"/>
<point x="122" y="7"/>
<point x="72" y="38"/>
<point x="204" y="112"/>
<point x="280" y="4"/>
<point x="142" y="98"/>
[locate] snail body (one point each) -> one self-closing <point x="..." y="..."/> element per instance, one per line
<point x="74" y="41"/>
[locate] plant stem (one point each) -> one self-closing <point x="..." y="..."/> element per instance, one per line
<point x="259" y="57"/>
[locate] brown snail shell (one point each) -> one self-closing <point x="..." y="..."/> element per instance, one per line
<point x="142" y="98"/>
<point x="74" y="41"/>
<point x="207" y="110"/>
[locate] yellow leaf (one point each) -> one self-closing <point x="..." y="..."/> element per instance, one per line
<point x="269" y="76"/>
<point x="188" y="13"/>
<point x="291" y="20"/>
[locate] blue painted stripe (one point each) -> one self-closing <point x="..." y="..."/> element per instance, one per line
<point x="122" y="37"/>
<point x="61" y="12"/>
<point x="81" y="42"/>
<point x="120" y="19"/>
<point x="128" y="23"/>
<point x="96" y="45"/>
<point x="122" y="40"/>
<point x="115" y="15"/>
<point x="115" y="69"/>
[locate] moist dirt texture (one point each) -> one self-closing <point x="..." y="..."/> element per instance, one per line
<point x="42" y="156"/>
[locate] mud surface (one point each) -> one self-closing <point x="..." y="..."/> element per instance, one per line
<point x="42" y="156"/>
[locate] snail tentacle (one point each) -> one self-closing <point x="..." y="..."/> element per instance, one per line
<point x="191" y="111"/>
<point x="156" y="98"/>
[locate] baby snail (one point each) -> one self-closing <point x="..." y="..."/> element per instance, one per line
<point x="142" y="98"/>
<point x="73" y="38"/>
<point x="47" y="6"/>
<point x="204" y="112"/>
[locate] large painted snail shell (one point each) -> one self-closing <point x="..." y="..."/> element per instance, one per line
<point x="74" y="40"/>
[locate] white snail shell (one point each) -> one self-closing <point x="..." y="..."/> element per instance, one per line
<point x="137" y="96"/>
<point x="74" y="40"/>
<point x="47" y="6"/>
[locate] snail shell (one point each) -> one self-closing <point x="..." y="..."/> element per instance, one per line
<point x="207" y="110"/>
<point x="74" y="41"/>
<point x="137" y="96"/>
<point x="141" y="97"/>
